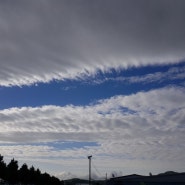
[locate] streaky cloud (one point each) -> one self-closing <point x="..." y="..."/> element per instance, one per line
<point x="172" y="74"/>
<point x="153" y="119"/>
<point x="140" y="129"/>
<point x="45" y="40"/>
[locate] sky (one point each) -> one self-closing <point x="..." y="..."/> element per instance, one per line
<point x="102" y="78"/>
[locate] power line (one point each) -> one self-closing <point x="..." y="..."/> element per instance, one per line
<point x="96" y="169"/>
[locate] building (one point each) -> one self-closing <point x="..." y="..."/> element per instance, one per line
<point x="161" y="179"/>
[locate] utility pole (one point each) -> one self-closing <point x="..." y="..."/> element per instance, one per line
<point x="89" y="157"/>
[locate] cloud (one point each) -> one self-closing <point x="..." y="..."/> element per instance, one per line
<point x="146" y="126"/>
<point x="45" y="40"/>
<point x="66" y="175"/>
<point x="172" y="74"/>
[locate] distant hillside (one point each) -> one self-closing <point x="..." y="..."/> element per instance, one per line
<point x="83" y="182"/>
<point x="168" y="173"/>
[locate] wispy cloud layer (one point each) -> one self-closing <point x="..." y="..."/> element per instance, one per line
<point x="45" y="40"/>
<point x="172" y="74"/>
<point x="147" y="126"/>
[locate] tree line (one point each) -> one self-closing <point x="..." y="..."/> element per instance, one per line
<point x="12" y="174"/>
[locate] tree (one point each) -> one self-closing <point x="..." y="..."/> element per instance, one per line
<point x="32" y="175"/>
<point x="55" y="181"/>
<point x="24" y="174"/>
<point x="46" y="178"/>
<point x="37" y="177"/>
<point x="2" y="168"/>
<point x="12" y="171"/>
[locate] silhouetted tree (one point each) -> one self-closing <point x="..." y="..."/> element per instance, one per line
<point x="24" y="174"/>
<point x="55" y="181"/>
<point x="32" y="175"/>
<point x="2" y="168"/>
<point x="37" y="177"/>
<point x="12" y="171"/>
<point x="46" y="178"/>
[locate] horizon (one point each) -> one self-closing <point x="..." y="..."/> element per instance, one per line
<point x="94" y="177"/>
<point x="100" y="78"/>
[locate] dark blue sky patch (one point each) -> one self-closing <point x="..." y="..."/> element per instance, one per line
<point x="90" y="89"/>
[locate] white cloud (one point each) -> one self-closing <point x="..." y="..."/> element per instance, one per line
<point x="173" y="73"/>
<point x="45" y="40"/>
<point x="147" y="126"/>
<point x="65" y="175"/>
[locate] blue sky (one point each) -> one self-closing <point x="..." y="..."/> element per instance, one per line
<point x="103" y="85"/>
<point x="100" y="78"/>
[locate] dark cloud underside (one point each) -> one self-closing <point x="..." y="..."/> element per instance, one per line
<point x="45" y="40"/>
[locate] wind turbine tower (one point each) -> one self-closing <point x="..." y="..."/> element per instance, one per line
<point x="89" y="157"/>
